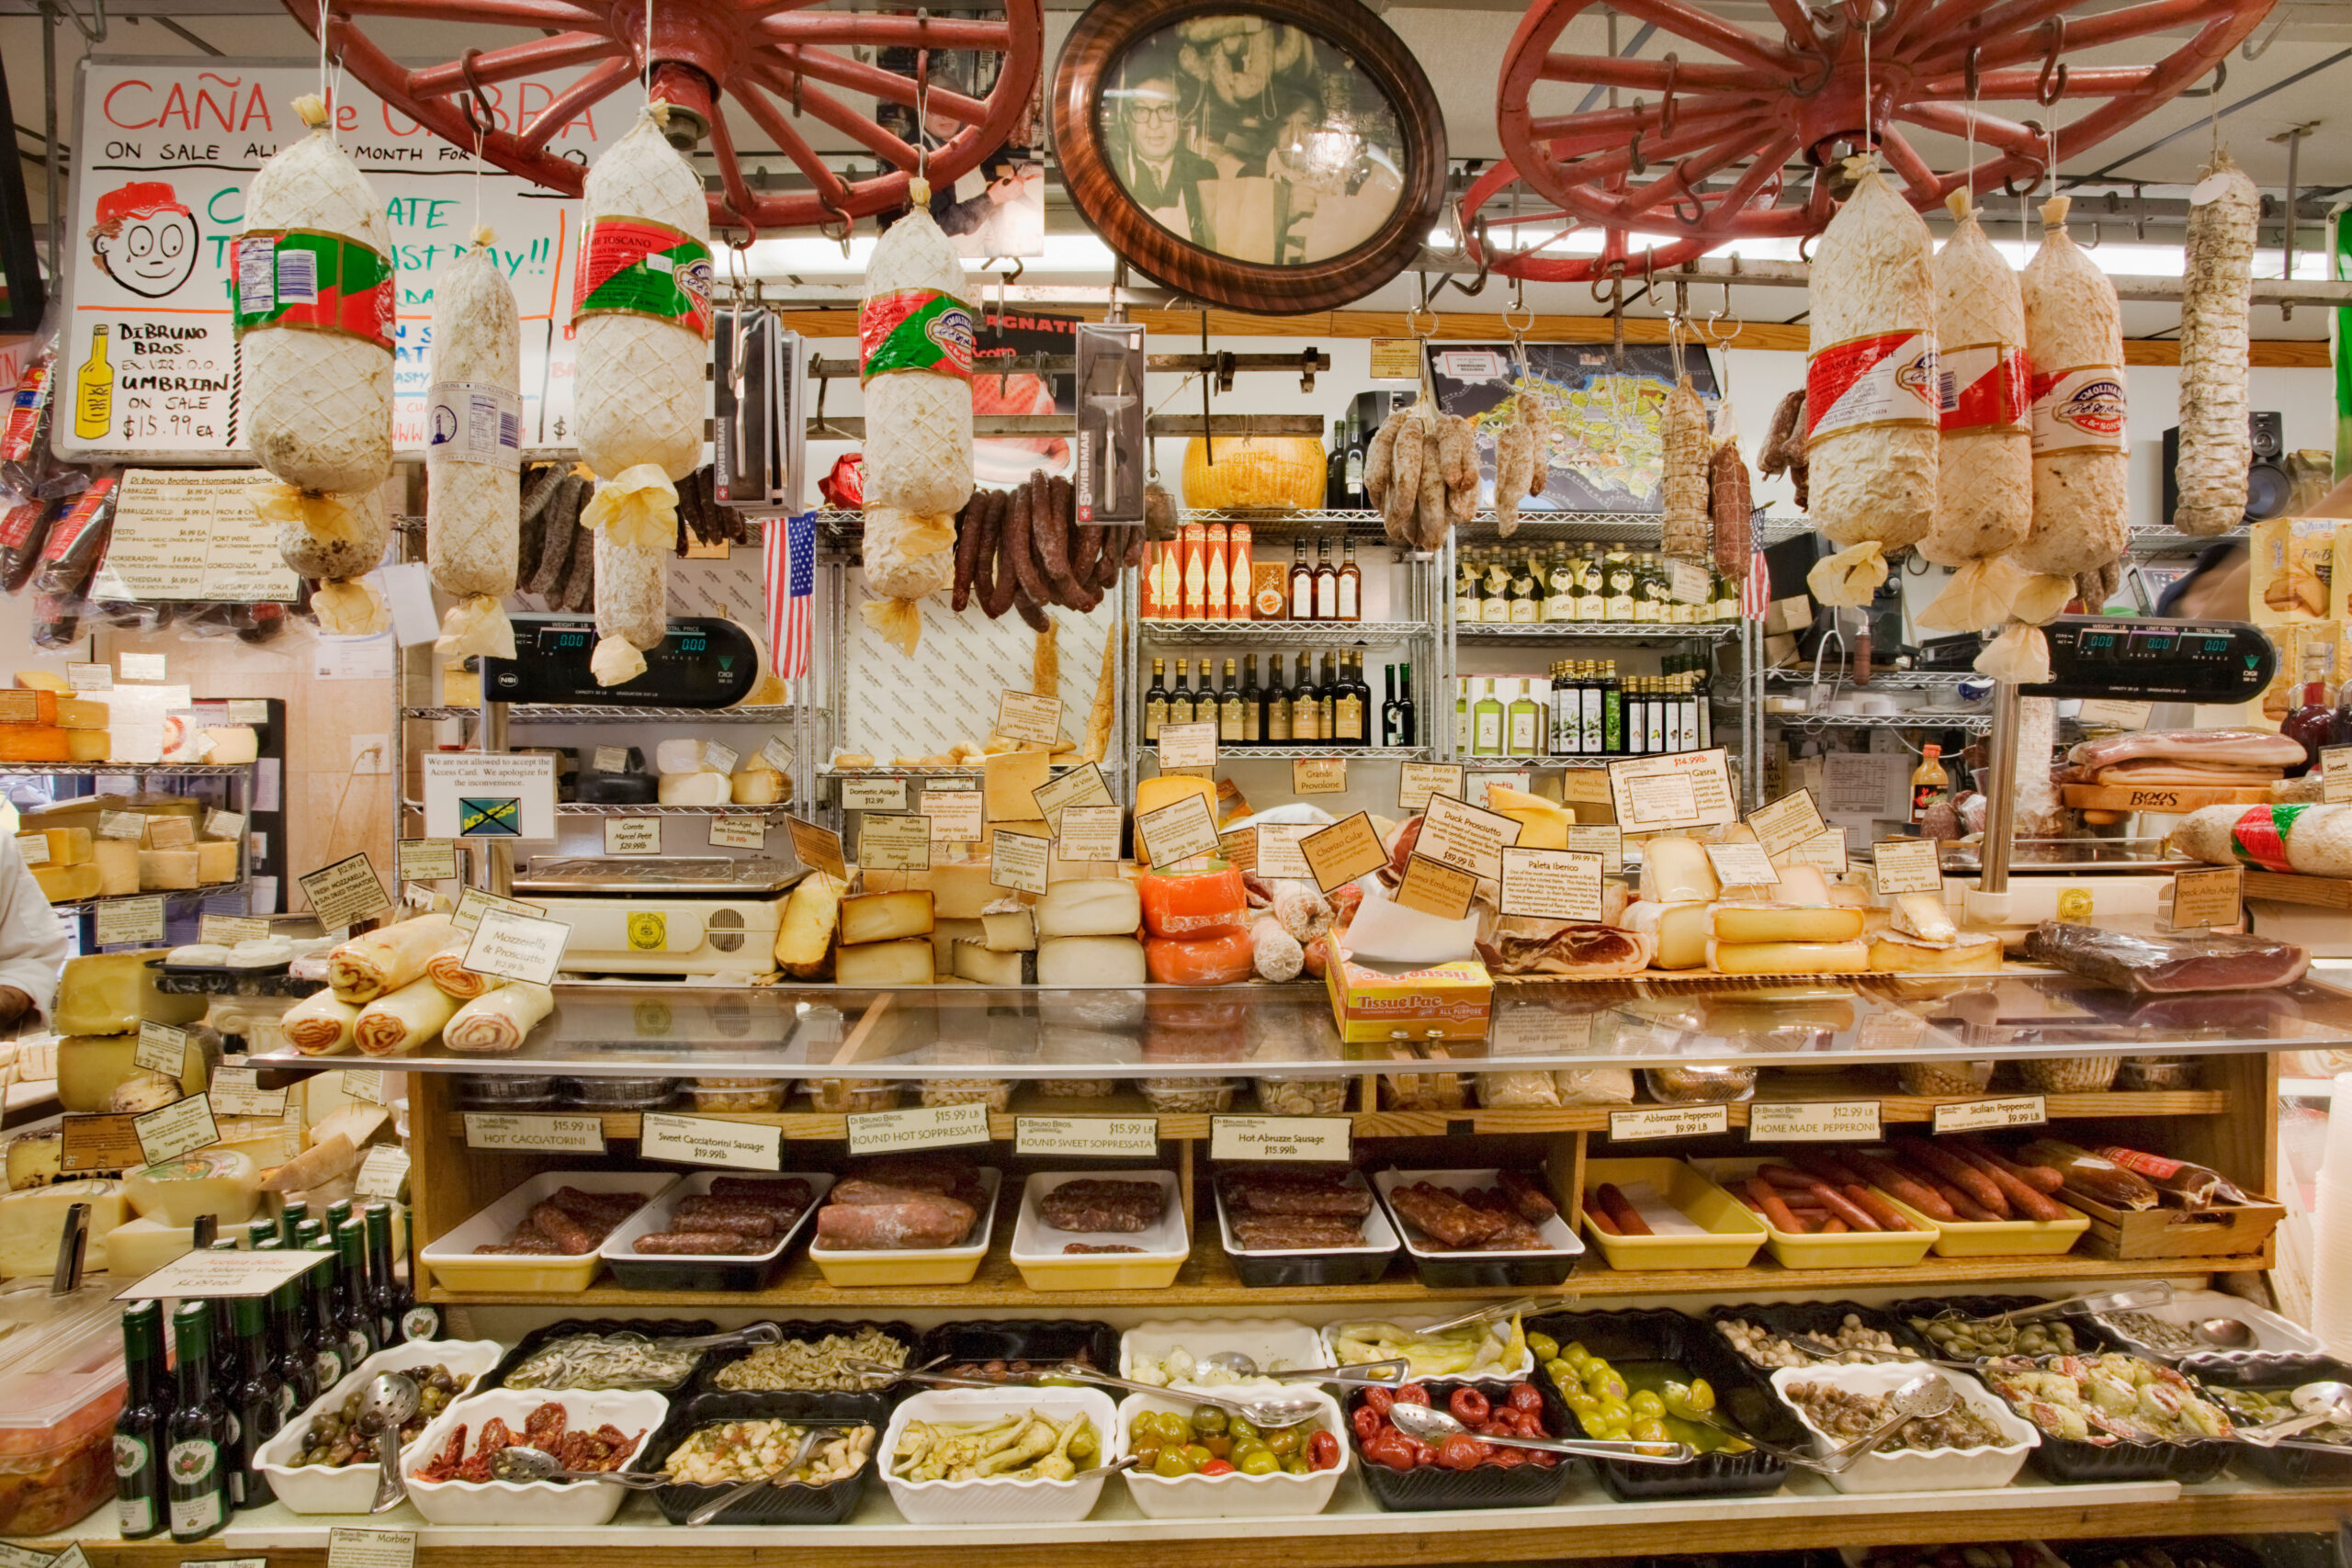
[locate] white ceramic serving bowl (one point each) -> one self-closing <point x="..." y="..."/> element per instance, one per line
<point x="528" y="1502"/>
<point x="1000" y="1502"/>
<point x="1916" y="1469"/>
<point x="351" y="1488"/>
<point x="1235" y="1495"/>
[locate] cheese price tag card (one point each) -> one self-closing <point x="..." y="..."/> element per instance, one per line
<point x="1787" y="823"/>
<point x="1551" y="884"/>
<point x="1435" y="889"/>
<point x="1683" y="789"/>
<point x="1027" y="716"/>
<point x="1080" y="787"/>
<point x="1908" y="865"/>
<point x="1176" y="832"/>
<point x="1187" y="746"/>
<point x="818" y="848"/>
<point x="889" y="842"/>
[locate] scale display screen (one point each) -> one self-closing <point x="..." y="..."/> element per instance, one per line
<point x="2142" y="658"/>
<point x="703" y="662"/>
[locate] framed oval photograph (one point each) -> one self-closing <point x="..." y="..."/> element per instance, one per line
<point x="1276" y="156"/>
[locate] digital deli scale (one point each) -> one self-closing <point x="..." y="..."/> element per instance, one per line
<point x="702" y="662"/>
<point x="2127" y="658"/>
<point x="710" y="919"/>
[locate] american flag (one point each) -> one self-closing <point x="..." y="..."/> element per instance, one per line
<point x="1756" y="593"/>
<point x="788" y="567"/>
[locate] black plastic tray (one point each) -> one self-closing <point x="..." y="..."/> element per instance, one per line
<point x="2089" y="1337"/>
<point x="1430" y="1489"/>
<point x="652" y="1328"/>
<point x="1824" y="1318"/>
<point x="1262" y="1269"/>
<point x="1742" y="1396"/>
<point x="1021" y="1339"/>
<point x="687" y="1272"/>
<point x="829" y="1504"/>
<point x="2293" y="1461"/>
<point x="1442" y="1270"/>
<point x="2074" y="1459"/>
<point x="828" y="1403"/>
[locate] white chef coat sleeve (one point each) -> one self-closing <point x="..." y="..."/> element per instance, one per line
<point x="32" y="937"/>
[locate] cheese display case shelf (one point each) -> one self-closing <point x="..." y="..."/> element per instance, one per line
<point x="173" y="897"/>
<point x="587" y="809"/>
<point x="589" y="713"/>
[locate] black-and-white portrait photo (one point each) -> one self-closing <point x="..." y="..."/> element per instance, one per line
<point x="1254" y="139"/>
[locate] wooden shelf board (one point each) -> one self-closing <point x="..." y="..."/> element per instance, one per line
<point x="1585" y="1525"/>
<point x="1207" y="1280"/>
<point x="1894" y="1109"/>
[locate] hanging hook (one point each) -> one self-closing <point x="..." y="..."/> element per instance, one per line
<point x="922" y="100"/>
<point x="1972" y="72"/>
<point x="480" y="119"/>
<point x="2050" y="85"/>
<point x="848" y="224"/>
<point x="1486" y="262"/>
<point x="1414" y="316"/>
<point x="1810" y="87"/>
<point x="2220" y="76"/>
<point x="2253" y="50"/>
<point x="1665" y="105"/>
<point x="1633" y="148"/>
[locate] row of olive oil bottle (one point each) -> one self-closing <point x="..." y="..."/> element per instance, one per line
<point x="1326" y="704"/>
<point x="1531" y="584"/>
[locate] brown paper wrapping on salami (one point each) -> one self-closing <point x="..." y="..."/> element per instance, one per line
<point x="2216" y="444"/>
<point x="2073" y="332"/>
<point x="316" y="349"/>
<point x="473" y="489"/>
<point x="1872" y="399"/>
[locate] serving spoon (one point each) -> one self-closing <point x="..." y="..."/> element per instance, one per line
<point x="391" y="1400"/>
<point x="1390" y="1373"/>
<point x="1265" y="1412"/>
<point x="1434" y="1426"/>
<point x="2320" y="1403"/>
<point x="2225" y="1333"/>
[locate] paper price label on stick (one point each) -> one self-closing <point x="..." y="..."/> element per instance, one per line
<point x="738" y="833"/>
<point x="170" y="833"/>
<point x="1278" y="852"/>
<point x="83" y="678"/>
<point x="1602" y="840"/>
<point x="776" y="754"/>
<point x="129" y="826"/>
<point x="1435" y="889"/>
<point x="1465" y="837"/>
<point x="1090" y="833"/>
<point x="1080" y="787"/>
<point x="161" y="1049"/>
<point x="382" y="1174"/>
<point x="1787" y="823"/>
<point x="703" y="1140"/>
<point x="143" y="667"/>
<point x="2209" y="899"/>
<point x="2336" y="775"/>
<point x="894" y="842"/>
<point x="1187" y="746"/>
<point x="214" y="1275"/>
<point x="610" y="759"/>
<point x="1178" y="831"/>
<point x="719" y="756"/>
<point x="182" y="1127"/>
<point x="1826" y="849"/>
<point x="227" y="930"/>
<point x="1908" y="865"/>
<point x="874" y="794"/>
<point x="346" y="892"/>
<point x="932" y="1127"/>
<point x="106" y="1142"/>
<point x="1338" y="854"/>
<point x="133" y="922"/>
<point x="953" y="815"/>
<point x="1415" y="782"/>
<point x="237" y="1091"/>
<point x="1018" y="860"/>
<point x="1029" y="718"/>
<point x="473" y="903"/>
<point x="1742" y="865"/>
<point x="633" y="837"/>
<point x="819" y="848"/>
<point x="1812" y="1121"/>
<point x="1684" y="789"/>
<point x="1551" y="885"/>
<point x="224" y="824"/>
<point x="1319" y="776"/>
<point x="517" y="947"/>
<point x="425" y="860"/>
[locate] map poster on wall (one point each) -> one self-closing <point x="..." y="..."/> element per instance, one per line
<point x="164" y="152"/>
<point x="1606" y="425"/>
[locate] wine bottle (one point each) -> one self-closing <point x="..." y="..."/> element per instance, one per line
<point x="196" y="1434"/>
<point x="140" y="1501"/>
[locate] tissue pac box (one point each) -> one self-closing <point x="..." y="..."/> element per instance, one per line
<point x="1375" y="1003"/>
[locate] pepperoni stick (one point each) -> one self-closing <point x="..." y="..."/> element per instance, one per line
<point x="1841" y="1207"/>
<point x="1599" y="1217"/>
<point x="1018" y="525"/>
<point x="1827" y="1167"/>
<point x="1783" y="1177"/>
<point x="967" y="548"/>
<point x="2042" y="1178"/>
<point x="1835" y="1227"/>
<point x="1964" y="1207"/>
<point x="1887" y="1177"/>
<point x="1888" y="1216"/>
<point x="1767" y="1198"/>
<point x="1629" y="1219"/>
<point x="2022" y="1196"/>
<point x="1956" y="1170"/>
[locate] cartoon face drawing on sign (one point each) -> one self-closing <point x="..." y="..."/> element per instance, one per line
<point x="145" y="238"/>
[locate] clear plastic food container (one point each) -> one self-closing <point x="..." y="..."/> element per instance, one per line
<point x="1945" y="1077"/>
<point x="1302" y="1097"/>
<point x="1188" y="1097"/>
<point x="851" y="1096"/>
<point x="736" y="1094"/>
<point x="994" y="1093"/>
<point x="503" y="1092"/>
<point x="1699" y="1084"/>
<point x="619" y="1094"/>
<point x="59" y="1393"/>
<point x="2069" y="1074"/>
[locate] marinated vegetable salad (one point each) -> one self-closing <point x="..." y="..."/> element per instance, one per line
<point x="1032" y="1446"/>
<point x="1487" y="1350"/>
<point x="734" y="1451"/>
<point x="1211" y="1442"/>
<point x="2108" y="1399"/>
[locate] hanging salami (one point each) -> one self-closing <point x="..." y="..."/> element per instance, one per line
<point x="2073" y="333"/>
<point x="2216" y="444"/>
<point x="473" y="453"/>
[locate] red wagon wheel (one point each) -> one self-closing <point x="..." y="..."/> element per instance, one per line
<point x="1494" y="230"/>
<point x="1740" y="106"/>
<point x="774" y="57"/>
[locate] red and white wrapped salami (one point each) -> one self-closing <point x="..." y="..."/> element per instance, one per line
<point x="2073" y="331"/>
<point x="1873" y="403"/>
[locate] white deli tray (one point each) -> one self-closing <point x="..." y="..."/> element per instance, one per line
<point x="1917" y="1469"/>
<point x="552" y="1502"/>
<point x="1162" y="1247"/>
<point x="1522" y="1368"/>
<point x="1235" y="1495"/>
<point x="2279" y="1344"/>
<point x="456" y="1267"/>
<point x="1276" y="1343"/>
<point x="993" y="1502"/>
<point x="351" y="1488"/>
<point x="1313" y="1265"/>
<point x="1442" y="1266"/>
<point x="915" y="1266"/>
<point x="704" y="1271"/>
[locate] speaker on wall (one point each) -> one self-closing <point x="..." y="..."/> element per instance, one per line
<point x="2268" y="486"/>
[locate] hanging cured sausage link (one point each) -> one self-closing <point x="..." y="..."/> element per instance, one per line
<point x="2215" y="443"/>
<point x="474" y="454"/>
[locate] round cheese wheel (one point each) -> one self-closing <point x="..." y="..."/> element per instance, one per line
<point x="209" y="1182"/>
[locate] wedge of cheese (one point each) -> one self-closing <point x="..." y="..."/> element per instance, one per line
<point x="1678" y="931"/>
<point x="1009" y="782"/>
<point x="1922" y="914"/>
<point x="959" y="889"/>
<point x="34" y="743"/>
<point x="139" y="1246"/>
<point x="167" y="870"/>
<point x="1970" y="952"/>
<point x="886" y="917"/>
<point x="944" y="935"/>
<point x="41" y="680"/>
<point x="79" y="712"/>
<point x="1789" y="957"/>
<point x="1009" y="930"/>
<point x="55" y="846"/>
<point x="804" y="939"/>
<point x="1089" y="909"/>
<point x="216" y="860"/>
<point x="984" y="968"/>
<point x="1092" y="961"/>
<point x="1164" y="790"/>
<point x="118" y="864"/>
<point x="68" y="883"/>
<point x="31" y="1223"/>
<point x="1675" y="870"/>
<point x="110" y="993"/>
<point x="880" y="963"/>
<point x="88" y="746"/>
<point x="1786" y="922"/>
<point x="695" y="789"/>
<point x="1544" y="824"/>
<point x="209" y="1182"/>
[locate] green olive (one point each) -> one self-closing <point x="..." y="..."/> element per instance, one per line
<point x="1172" y="1463"/>
<point x="1542" y="1345"/>
<point x="1208" y="1419"/>
<point x="1646" y="1405"/>
<point x="1287" y="1440"/>
<point x="1258" y="1461"/>
<point x="1240" y="1427"/>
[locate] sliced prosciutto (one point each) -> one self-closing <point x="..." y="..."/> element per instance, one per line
<point x="2208" y="748"/>
<point x="2163" y="963"/>
<point x="1575" y="949"/>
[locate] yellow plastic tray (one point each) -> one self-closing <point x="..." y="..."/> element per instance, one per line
<point x="2003" y="1238"/>
<point x="1857" y="1250"/>
<point x="1036" y="1249"/>
<point x="945" y="1266"/>
<point x="1737" y="1234"/>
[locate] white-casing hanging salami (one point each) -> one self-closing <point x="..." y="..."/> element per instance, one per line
<point x="641" y="322"/>
<point x="473" y="453"/>
<point x="1873" y="403"/>
<point x="915" y="342"/>
<point x="2073" y="333"/>
<point x="2216" y="445"/>
<point x="312" y="276"/>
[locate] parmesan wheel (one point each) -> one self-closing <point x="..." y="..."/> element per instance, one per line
<point x="637" y="387"/>
<point x="318" y="400"/>
<point x="1872" y="404"/>
<point x="473" y="459"/>
<point x="2215" y="443"/>
<point x="2073" y="334"/>
<point x="1984" y="464"/>
<point x="915" y="340"/>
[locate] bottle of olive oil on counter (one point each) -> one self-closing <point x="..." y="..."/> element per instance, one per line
<point x="196" y="1434"/>
<point x="1487" y="723"/>
<point x="142" y="1503"/>
<point x="1524" y="722"/>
